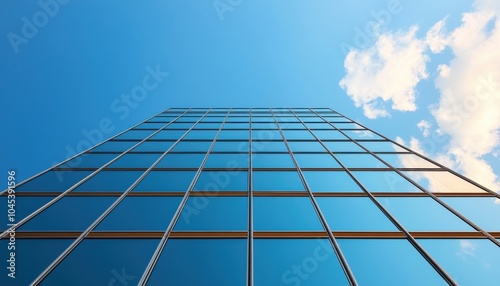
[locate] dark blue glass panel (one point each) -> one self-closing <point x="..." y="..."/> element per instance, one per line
<point x="343" y="146"/>
<point x="266" y="146"/>
<point x="287" y="213"/>
<point x="168" y="134"/>
<point x="222" y="181"/>
<point x="32" y="257"/>
<point x="263" y="160"/>
<point x="468" y="261"/>
<point x="330" y="181"/>
<point x="214" y="214"/>
<point x="231" y="146"/>
<point x="234" y="134"/>
<point x="141" y="214"/>
<point x="183" y="126"/>
<point x="482" y="211"/>
<point x="384" y="181"/>
<point x="166" y="181"/>
<point x="306" y="147"/>
<point x="53" y="181"/>
<point x="23" y="207"/>
<point x="149" y="125"/>
<point x="110" y="181"/>
<point x="360" y="161"/>
<point x="189" y="146"/>
<point x="354" y="214"/>
<point x="163" y="118"/>
<point x="266" y="134"/>
<point x="89" y="160"/>
<point x="207" y="125"/>
<point x="104" y="262"/>
<point x="114" y="146"/>
<point x="135" y="134"/>
<point x="423" y="214"/>
<point x="153" y="146"/>
<point x="296" y="262"/>
<point x="181" y="161"/>
<point x="277" y="181"/>
<point x="303" y="135"/>
<point x="135" y="161"/>
<point x="216" y="261"/>
<point x="388" y="262"/>
<point x="229" y="161"/>
<point x="316" y="161"/>
<point x="201" y="134"/>
<point x="69" y="214"/>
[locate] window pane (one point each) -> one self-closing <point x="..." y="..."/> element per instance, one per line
<point x="468" y="261"/>
<point x="214" y="214"/>
<point x="312" y="262"/>
<point x="423" y="214"/>
<point x="287" y="213"/>
<point x="270" y="125"/>
<point x="360" y="161"/>
<point x="153" y="146"/>
<point x="114" y="146"/>
<point x="237" y="126"/>
<point x="316" y="161"/>
<point x="443" y="182"/>
<point x="330" y="181"/>
<point x="32" y="257"/>
<point x="234" y="135"/>
<point x="216" y="262"/>
<point x="384" y="181"/>
<point x="354" y="214"/>
<point x="201" y="134"/>
<point x="89" y="160"/>
<point x="150" y="125"/>
<point x="24" y="206"/>
<point x="291" y="135"/>
<point x="141" y="214"/>
<point x="481" y="211"/>
<point x="208" y="125"/>
<point x="343" y="146"/>
<point x="181" y="161"/>
<point x="135" y="161"/>
<point x="266" y="146"/>
<point x="168" y="134"/>
<point x="230" y="161"/>
<point x="222" y="181"/>
<point x="263" y="160"/>
<point x="166" y="181"/>
<point x="360" y="134"/>
<point x="406" y="161"/>
<point x="119" y="259"/>
<point x="69" y="214"/>
<point x="306" y="147"/>
<point x="189" y="146"/>
<point x="110" y="181"/>
<point x="53" y="181"/>
<point x="382" y="146"/>
<point x="277" y="181"/>
<point x="388" y="262"/>
<point x="135" y="134"/>
<point x="266" y="135"/>
<point x="329" y="135"/>
<point x="231" y="146"/>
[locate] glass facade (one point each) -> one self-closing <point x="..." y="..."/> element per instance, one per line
<point x="235" y="196"/>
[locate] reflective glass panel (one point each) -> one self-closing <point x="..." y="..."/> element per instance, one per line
<point x="292" y="134"/>
<point x="231" y="146"/>
<point x="230" y="161"/>
<point x="168" y="134"/>
<point x="266" y="146"/>
<point x="166" y="181"/>
<point x="263" y="160"/>
<point x="135" y="161"/>
<point x="53" y="181"/>
<point x="285" y="214"/>
<point x="384" y="181"/>
<point x="312" y="262"/>
<point x="214" y="214"/>
<point x="329" y="135"/>
<point x="222" y="181"/>
<point x="406" y="161"/>
<point x="443" y="182"/>
<point x="13" y="210"/>
<point x="343" y="146"/>
<point x="330" y="181"/>
<point x="114" y="146"/>
<point x="306" y="147"/>
<point x="316" y="161"/>
<point x="234" y="134"/>
<point x="90" y="160"/>
<point x="181" y="161"/>
<point x="360" y="161"/>
<point x="277" y="181"/>
<point x="190" y="146"/>
<point x="485" y="212"/>
<point x="153" y="146"/>
<point x="110" y="181"/>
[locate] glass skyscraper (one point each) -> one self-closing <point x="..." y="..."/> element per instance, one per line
<point x="250" y="197"/>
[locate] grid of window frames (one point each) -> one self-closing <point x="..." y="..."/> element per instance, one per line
<point x="300" y="196"/>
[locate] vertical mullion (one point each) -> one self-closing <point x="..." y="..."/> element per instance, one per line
<point x="61" y="195"/>
<point x="409" y="237"/>
<point x="250" y="272"/>
<point x="343" y="263"/>
<point x="159" y="249"/>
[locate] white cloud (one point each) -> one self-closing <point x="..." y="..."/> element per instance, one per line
<point x="387" y="71"/>
<point x="436" y="38"/>
<point x="425" y="127"/>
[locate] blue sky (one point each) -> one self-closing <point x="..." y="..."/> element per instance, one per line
<point x="68" y="69"/>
